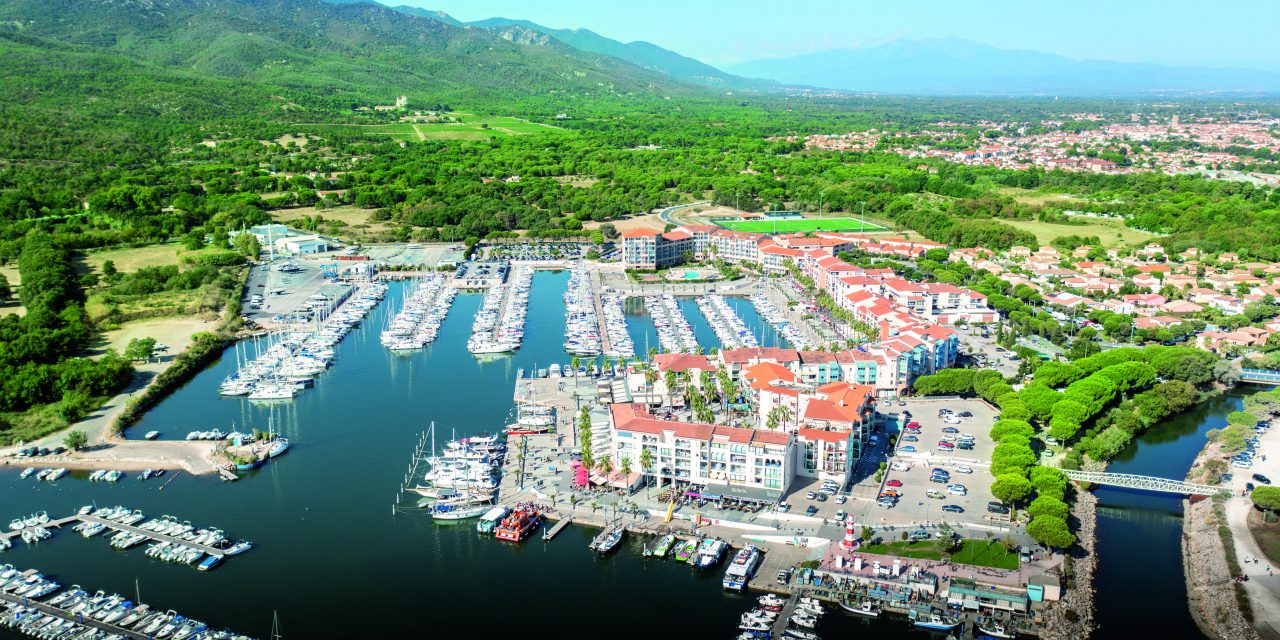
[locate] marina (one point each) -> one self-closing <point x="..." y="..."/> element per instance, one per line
<point x="675" y="335"/>
<point x="285" y="363"/>
<point x="582" y="319"/>
<point x="423" y="309"/>
<point x="499" y="324"/>
<point x="729" y="328"/>
<point x="77" y="614"/>
<point x="778" y="320"/>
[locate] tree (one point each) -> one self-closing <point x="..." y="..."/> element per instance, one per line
<point x="608" y="230"/>
<point x="1048" y="506"/>
<point x="646" y="460"/>
<point x="605" y="465"/>
<point x="1266" y="498"/>
<point x="1011" y="488"/>
<point x="6" y="291"/>
<point x="1011" y="458"/>
<point x="1006" y="427"/>
<point x="140" y="349"/>
<point x="76" y="440"/>
<point x="1051" y="531"/>
<point x="1058" y="374"/>
<point x="1048" y="480"/>
<point x="625" y="465"/>
<point x="1040" y="399"/>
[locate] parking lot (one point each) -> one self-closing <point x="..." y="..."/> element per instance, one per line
<point x="537" y="251"/>
<point x="979" y="347"/>
<point x="298" y="286"/>
<point x="429" y="254"/>
<point x="909" y="470"/>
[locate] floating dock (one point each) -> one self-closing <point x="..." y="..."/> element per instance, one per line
<point x="556" y="528"/>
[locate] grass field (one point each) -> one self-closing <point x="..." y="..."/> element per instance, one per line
<point x="984" y="553"/>
<point x="132" y="259"/>
<point x="1110" y="232"/>
<point x="793" y="226"/>
<point x="472" y="127"/>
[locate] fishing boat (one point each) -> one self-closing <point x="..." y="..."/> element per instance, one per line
<point x="458" y="511"/>
<point x="710" y="553"/>
<point x="742" y="568"/>
<point x="936" y="622"/>
<point x="865" y="608"/>
<point x="995" y="629"/>
<point x="209" y="563"/>
<point x="489" y="521"/>
<point x="686" y="549"/>
<point x="518" y="524"/>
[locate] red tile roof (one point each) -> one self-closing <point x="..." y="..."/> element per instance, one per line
<point x="635" y="418"/>
<point x="640" y="233"/>
<point x="682" y="362"/>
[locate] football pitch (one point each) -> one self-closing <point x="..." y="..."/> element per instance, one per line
<point x="801" y="225"/>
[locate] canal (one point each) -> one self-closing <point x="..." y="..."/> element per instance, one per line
<point x="334" y="562"/>
<point x="1141" y="589"/>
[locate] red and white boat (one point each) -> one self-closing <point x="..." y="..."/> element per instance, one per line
<point x="518" y="523"/>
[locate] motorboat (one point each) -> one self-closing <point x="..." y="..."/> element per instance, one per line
<point x="661" y="546"/>
<point x="686" y="550"/>
<point x="742" y="568"/>
<point x="209" y="563"/>
<point x="489" y="521"/>
<point x="518" y="523"/>
<point x="710" y="553"/>
<point x="936" y="622"/>
<point x="865" y="608"/>
<point x="152" y="435"/>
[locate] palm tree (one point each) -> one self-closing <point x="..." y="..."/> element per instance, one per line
<point x="653" y="351"/>
<point x="574" y="363"/>
<point x="646" y="460"/>
<point x="605" y="465"/>
<point x="670" y="379"/>
<point x="625" y="465"/>
<point x="784" y="414"/>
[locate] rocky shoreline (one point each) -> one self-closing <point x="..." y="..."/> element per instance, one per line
<point x="1211" y="591"/>
<point x="1072" y="617"/>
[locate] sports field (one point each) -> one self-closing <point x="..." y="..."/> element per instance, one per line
<point x="802" y="225"/>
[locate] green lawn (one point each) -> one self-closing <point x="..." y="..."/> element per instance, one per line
<point x="986" y="553"/>
<point x="792" y="226"/>
<point x="983" y="553"/>
<point x="926" y="550"/>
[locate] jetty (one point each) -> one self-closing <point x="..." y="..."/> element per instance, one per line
<point x="780" y="625"/>
<point x="114" y="525"/>
<point x="63" y="615"/>
<point x="557" y="528"/>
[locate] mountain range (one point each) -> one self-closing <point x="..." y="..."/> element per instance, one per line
<point x="963" y="67"/>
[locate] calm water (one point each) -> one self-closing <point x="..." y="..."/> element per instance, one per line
<point x="1140" y="585"/>
<point x="335" y="563"/>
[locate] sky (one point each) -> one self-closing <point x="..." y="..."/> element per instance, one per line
<point x="1240" y="33"/>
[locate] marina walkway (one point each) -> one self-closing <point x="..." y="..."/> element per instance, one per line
<point x="59" y="613"/>
<point x="111" y="524"/>
<point x="780" y="625"/>
<point x="52" y="524"/>
<point x="557" y="528"/>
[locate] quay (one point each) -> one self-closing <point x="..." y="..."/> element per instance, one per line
<point x="557" y="528"/>
<point x="63" y="615"/>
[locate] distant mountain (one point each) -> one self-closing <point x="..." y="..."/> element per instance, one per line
<point x="954" y="66"/>
<point x="315" y="52"/>
<point x="642" y="54"/>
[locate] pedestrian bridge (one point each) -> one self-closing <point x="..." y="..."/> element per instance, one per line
<point x="1148" y="483"/>
<point x="1260" y="376"/>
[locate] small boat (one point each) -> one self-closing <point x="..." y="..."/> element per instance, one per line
<point x="239" y="547"/>
<point x="936" y="622"/>
<point x="146" y="473"/>
<point x="686" y="549"/>
<point x="489" y="521"/>
<point x="995" y="629"/>
<point x="278" y="446"/>
<point x="611" y="540"/>
<point x="458" y="511"/>
<point x="209" y="563"/>
<point x="710" y="553"/>
<point x="799" y="635"/>
<point x="663" y="545"/>
<point x="865" y="608"/>
<point x="27" y="473"/>
<point x="152" y="435"/>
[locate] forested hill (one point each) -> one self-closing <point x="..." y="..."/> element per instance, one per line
<point x="302" y="54"/>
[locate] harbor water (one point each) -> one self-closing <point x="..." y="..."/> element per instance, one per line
<point x="334" y="562"/>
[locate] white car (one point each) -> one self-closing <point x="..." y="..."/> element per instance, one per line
<point x="957" y="490"/>
<point x="964" y="470"/>
<point x="841" y="499"/>
<point x="899" y="466"/>
<point x="1241" y="464"/>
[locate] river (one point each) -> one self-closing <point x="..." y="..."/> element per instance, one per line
<point x="334" y="562"/>
<point x="1141" y="589"/>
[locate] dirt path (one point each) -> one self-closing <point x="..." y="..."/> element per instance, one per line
<point x="422" y="137"/>
<point x="111" y="451"/>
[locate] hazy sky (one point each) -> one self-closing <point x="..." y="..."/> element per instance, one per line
<point x="721" y="32"/>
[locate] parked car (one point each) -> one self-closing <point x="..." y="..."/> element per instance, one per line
<point x="784" y="506"/>
<point x="953" y="508"/>
<point x="964" y="470"/>
<point x="996" y="507"/>
<point x="934" y="493"/>
<point x="900" y="466"/>
<point x="894" y="483"/>
<point x="840" y="515"/>
<point x="950" y="430"/>
<point x="1261" y="478"/>
<point x="908" y="449"/>
<point x="841" y="499"/>
<point x="811" y="510"/>
<point x="891" y="493"/>
<point x="910" y="439"/>
<point x="810" y="495"/>
<point x="957" y="490"/>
